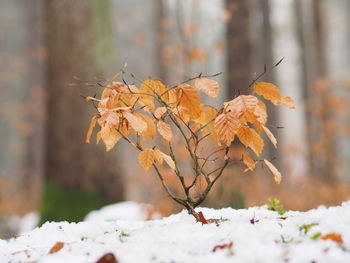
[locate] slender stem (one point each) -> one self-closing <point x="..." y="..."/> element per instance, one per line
<point x="165" y="186"/>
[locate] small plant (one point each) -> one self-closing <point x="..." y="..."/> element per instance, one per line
<point x="138" y="114"/>
<point x="306" y="227"/>
<point x="275" y="205"/>
<point x="316" y="236"/>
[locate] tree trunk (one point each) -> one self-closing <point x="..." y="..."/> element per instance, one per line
<point x="74" y="49"/>
<point x="238" y="47"/>
<point x="21" y="107"/>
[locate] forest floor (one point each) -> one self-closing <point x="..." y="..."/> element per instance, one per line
<point x="245" y="235"/>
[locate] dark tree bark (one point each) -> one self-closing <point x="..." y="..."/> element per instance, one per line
<point x="72" y="47"/>
<point x="239" y="73"/>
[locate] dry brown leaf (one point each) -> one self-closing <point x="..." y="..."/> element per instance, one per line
<point x="250" y="138"/>
<point x="137" y="123"/>
<point x="241" y="105"/>
<point x="208" y="86"/>
<point x="226" y="127"/>
<point x="268" y="90"/>
<point x="285" y="101"/>
<point x="151" y="127"/>
<point x="188" y="102"/>
<point x="270" y="136"/>
<point x="169" y="161"/>
<point x="277" y="175"/>
<point x="260" y="112"/>
<point x="107" y="258"/>
<point x="334" y="237"/>
<point x="249" y="162"/>
<point x="146" y="158"/>
<point x="91" y="128"/>
<point x="208" y="115"/>
<point x="110" y="136"/>
<point x="150" y="86"/>
<point x="126" y="95"/>
<point x="57" y="247"/>
<point x="158" y="113"/>
<point x="164" y="130"/>
<point x="158" y="156"/>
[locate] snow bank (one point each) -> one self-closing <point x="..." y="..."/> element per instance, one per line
<point x="257" y="234"/>
<point x="124" y="210"/>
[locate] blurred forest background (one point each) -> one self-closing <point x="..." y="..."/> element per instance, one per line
<point x="51" y="52"/>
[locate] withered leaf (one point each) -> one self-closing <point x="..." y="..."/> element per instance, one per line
<point x="164" y="130"/>
<point x="208" y="86"/>
<point x="188" y="102"/>
<point x="57" y="247"/>
<point x="107" y="258"/>
<point x="146" y="158"/>
<point x="137" y="123"/>
<point x="223" y="246"/>
<point x="270" y="136"/>
<point x="277" y="175"/>
<point x="250" y="138"/>
<point x="226" y="127"/>
<point x="91" y="128"/>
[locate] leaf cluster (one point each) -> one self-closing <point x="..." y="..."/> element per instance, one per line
<point x="139" y="114"/>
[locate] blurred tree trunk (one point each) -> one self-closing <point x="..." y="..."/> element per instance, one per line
<point x="313" y="69"/>
<point x="160" y="40"/>
<point x="21" y="107"/>
<point x="78" y="37"/>
<point x="238" y="47"/>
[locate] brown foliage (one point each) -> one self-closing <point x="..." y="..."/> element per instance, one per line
<point x="130" y="113"/>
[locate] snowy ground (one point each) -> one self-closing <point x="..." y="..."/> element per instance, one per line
<point x="257" y="235"/>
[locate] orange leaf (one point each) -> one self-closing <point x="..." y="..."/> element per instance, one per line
<point x="249" y="162"/>
<point x="126" y="95"/>
<point x="57" y="247"/>
<point x="270" y="136"/>
<point x="201" y="218"/>
<point x="241" y="105"/>
<point x="158" y="113"/>
<point x="91" y="128"/>
<point x="285" y="101"/>
<point x="169" y="161"/>
<point x="110" y="136"/>
<point x="277" y="175"/>
<point x="151" y="87"/>
<point x="107" y="258"/>
<point x="228" y="245"/>
<point x="268" y="90"/>
<point x="137" y="123"/>
<point x="208" y="86"/>
<point x="188" y="102"/>
<point x="260" y="112"/>
<point x="158" y="156"/>
<point x="164" y="130"/>
<point x="146" y="158"/>
<point x="151" y="127"/>
<point x="250" y="138"/>
<point x="226" y="126"/>
<point x="333" y="236"/>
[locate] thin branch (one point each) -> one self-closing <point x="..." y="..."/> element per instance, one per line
<point x="265" y="71"/>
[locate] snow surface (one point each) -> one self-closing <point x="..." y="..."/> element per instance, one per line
<point x="179" y="238"/>
<point x="124" y="210"/>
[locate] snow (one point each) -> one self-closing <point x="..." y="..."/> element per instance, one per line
<point x="179" y="238"/>
<point x="124" y="210"/>
<point x="28" y="222"/>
